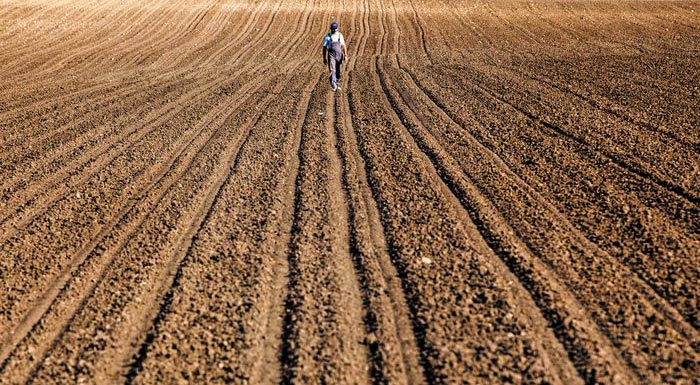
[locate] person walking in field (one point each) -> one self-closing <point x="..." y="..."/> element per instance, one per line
<point x="334" y="52"/>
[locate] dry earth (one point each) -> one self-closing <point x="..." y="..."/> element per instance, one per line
<point x="503" y="192"/>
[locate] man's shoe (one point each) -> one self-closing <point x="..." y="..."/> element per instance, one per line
<point x="335" y="88"/>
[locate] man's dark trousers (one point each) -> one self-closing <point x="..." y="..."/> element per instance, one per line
<point x="334" y="66"/>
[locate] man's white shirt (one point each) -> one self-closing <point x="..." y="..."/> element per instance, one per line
<point x="333" y="38"/>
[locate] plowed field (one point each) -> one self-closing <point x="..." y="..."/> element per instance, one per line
<point x="504" y="191"/>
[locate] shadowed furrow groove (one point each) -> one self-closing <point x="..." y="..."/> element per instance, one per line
<point x="501" y="192"/>
<point x="642" y="296"/>
<point x="562" y="312"/>
<point x="496" y="147"/>
<point x="196" y="266"/>
<point x="83" y="259"/>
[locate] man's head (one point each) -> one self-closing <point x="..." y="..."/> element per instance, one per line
<point x="334" y="26"/>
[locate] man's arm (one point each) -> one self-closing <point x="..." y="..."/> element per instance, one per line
<point x="325" y="59"/>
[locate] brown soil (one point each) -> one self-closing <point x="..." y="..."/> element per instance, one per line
<point x="503" y="192"/>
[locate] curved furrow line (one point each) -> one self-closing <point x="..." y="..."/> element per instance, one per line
<point x="679" y="335"/>
<point x="394" y="356"/>
<point x="585" y="357"/>
<point x="158" y="300"/>
<point x="88" y="176"/>
<point x="184" y="143"/>
<point x="415" y="234"/>
<point x="268" y="351"/>
<point x="604" y="39"/>
<point x="31" y="15"/>
<point x="593" y="361"/>
<point x="322" y="322"/>
<point x="169" y="39"/>
<point x="557" y="26"/>
<point x="53" y="139"/>
<point x="622" y="116"/>
<point x="269" y="369"/>
<point x="650" y="82"/>
<point x="357" y="49"/>
<point x="240" y="37"/>
<point x="143" y="40"/>
<point x="13" y="11"/>
<point x="417" y="229"/>
<point x="672" y="99"/>
<point x="301" y="32"/>
<point x="677" y="322"/>
<point x="622" y="32"/>
<point x="245" y="297"/>
<point x="311" y="351"/>
<point x="22" y="129"/>
<point x="482" y="37"/>
<point x="409" y="366"/>
<point x="650" y="291"/>
<point x="216" y="180"/>
<point x="171" y="281"/>
<point x="251" y="44"/>
<point x="632" y="166"/>
<point x="274" y="93"/>
<point x="166" y="43"/>
<point x="687" y="330"/>
<point x="577" y="34"/>
<point x="240" y="71"/>
<point x="15" y="117"/>
<point x="103" y="157"/>
<point x="81" y="94"/>
<point x="614" y="36"/>
<point x="210" y="39"/>
<point x="171" y="172"/>
<point x="41" y="86"/>
<point x="206" y="38"/>
<point x="393" y="353"/>
<point x="674" y="19"/>
<point x="654" y="33"/>
<point x="593" y="37"/>
<point x="245" y="92"/>
<point x="150" y="17"/>
<point x="637" y="77"/>
<point x="520" y="31"/>
<point x="412" y="365"/>
<point x="475" y="32"/>
<point x="414" y="349"/>
<point x="89" y="163"/>
<point x="21" y="52"/>
<point x="265" y="30"/>
<point x="154" y="19"/>
<point x="423" y="39"/>
<point x="86" y="49"/>
<point x="614" y="138"/>
<point x="470" y="208"/>
<point x="28" y="99"/>
<point x="78" y="45"/>
<point x="21" y="10"/>
<point x="586" y="347"/>
<point x="255" y="16"/>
